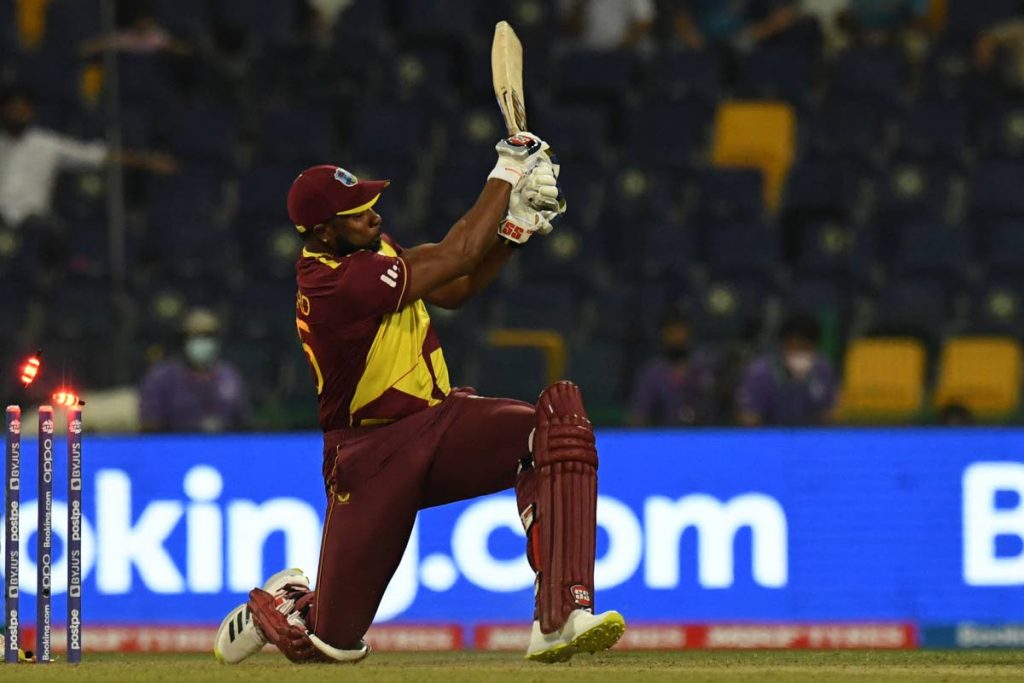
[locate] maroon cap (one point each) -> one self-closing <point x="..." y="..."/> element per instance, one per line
<point x="322" y="192"/>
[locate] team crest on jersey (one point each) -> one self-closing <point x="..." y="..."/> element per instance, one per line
<point x="344" y="177"/>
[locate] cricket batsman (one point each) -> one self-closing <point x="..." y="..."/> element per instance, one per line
<point x="398" y="438"/>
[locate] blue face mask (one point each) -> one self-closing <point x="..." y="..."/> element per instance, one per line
<point x="202" y="350"/>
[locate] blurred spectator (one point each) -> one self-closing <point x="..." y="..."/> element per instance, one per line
<point x="676" y="388"/>
<point x="956" y="415"/>
<point x="1005" y="38"/>
<point x="877" y="22"/>
<point x="609" y="24"/>
<point x="793" y="385"/>
<point x="31" y="157"/>
<point x="197" y="392"/>
<point x="739" y="23"/>
<point x="140" y="34"/>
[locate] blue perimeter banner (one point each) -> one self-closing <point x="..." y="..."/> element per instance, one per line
<point x="921" y="526"/>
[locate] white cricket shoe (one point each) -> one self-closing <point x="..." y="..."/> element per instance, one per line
<point x="238" y="638"/>
<point x="583" y="632"/>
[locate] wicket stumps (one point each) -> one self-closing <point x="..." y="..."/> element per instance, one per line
<point x="44" y="535"/>
<point x="12" y="535"/>
<point x="74" y="535"/>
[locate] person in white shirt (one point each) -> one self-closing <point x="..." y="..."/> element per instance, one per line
<point x="609" y="24"/>
<point x="31" y="158"/>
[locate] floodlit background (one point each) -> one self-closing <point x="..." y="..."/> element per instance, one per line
<point x="792" y="214"/>
<point x="732" y="162"/>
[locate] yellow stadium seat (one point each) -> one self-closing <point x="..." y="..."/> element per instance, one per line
<point x="759" y="135"/>
<point x="981" y="373"/>
<point x="884" y="379"/>
<point x="31" y="20"/>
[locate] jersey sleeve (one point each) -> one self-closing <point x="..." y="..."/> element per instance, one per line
<point x="373" y="284"/>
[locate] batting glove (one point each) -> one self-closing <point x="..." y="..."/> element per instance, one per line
<point x="535" y="203"/>
<point x="515" y="154"/>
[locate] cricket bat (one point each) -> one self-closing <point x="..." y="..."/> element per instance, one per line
<point x="507" y="74"/>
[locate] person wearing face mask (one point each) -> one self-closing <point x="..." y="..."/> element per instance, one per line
<point x="791" y="386"/>
<point x="31" y="157"/>
<point x="197" y="392"/>
<point x="677" y="387"/>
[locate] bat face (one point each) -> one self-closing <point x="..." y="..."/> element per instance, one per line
<point x="507" y="74"/>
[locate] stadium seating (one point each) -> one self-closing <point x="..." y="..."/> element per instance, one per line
<point x="881" y="193"/>
<point x="981" y="373"/>
<point x="760" y="135"/>
<point x="883" y="380"/>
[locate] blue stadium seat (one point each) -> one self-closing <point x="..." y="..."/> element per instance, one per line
<point x="818" y="190"/>
<point x="821" y="296"/>
<point x="188" y="19"/>
<point x="70" y="22"/>
<point x="423" y="79"/>
<point x="187" y="193"/>
<point x="575" y="132"/>
<point x="19" y="255"/>
<point x="848" y="130"/>
<point x="597" y="367"/>
<point x="540" y="306"/>
<point x="519" y="373"/>
<point x="967" y="17"/>
<point x="915" y="306"/>
<point x="385" y="132"/>
<point x="779" y="71"/>
<point x="263" y="191"/>
<point x="997" y="307"/>
<point x="438" y="19"/>
<point x="362" y="17"/>
<point x="875" y="75"/>
<point x="911" y="190"/>
<point x="687" y="75"/>
<point x="262" y="310"/>
<point x="825" y="249"/>
<point x="730" y="310"/>
<point x="997" y="190"/>
<point x="80" y="307"/>
<point x="748" y="250"/>
<point x="270" y="21"/>
<point x="1004" y="252"/>
<point x="457" y="183"/>
<point x="568" y="256"/>
<point x="934" y="250"/>
<point x="635" y="192"/>
<point x="270" y="248"/>
<point x="1001" y="133"/>
<point x="665" y="135"/>
<point x="948" y="69"/>
<point x="669" y="252"/>
<point x="729" y="194"/>
<point x="144" y="81"/>
<point x="299" y="135"/>
<point x="187" y="246"/>
<point x="935" y="131"/>
<point x="205" y="133"/>
<point x="594" y="74"/>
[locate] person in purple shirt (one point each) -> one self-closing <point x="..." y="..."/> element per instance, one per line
<point x="676" y="388"/>
<point x="197" y="392"/>
<point x="793" y="385"/>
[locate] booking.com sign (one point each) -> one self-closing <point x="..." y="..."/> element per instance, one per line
<point x="693" y="526"/>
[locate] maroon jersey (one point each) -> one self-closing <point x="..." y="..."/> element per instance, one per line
<point x="375" y="357"/>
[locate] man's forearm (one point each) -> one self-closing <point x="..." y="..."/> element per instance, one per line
<point x="458" y="291"/>
<point x="475" y="233"/>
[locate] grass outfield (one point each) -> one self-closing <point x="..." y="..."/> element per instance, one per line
<point x="499" y="668"/>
